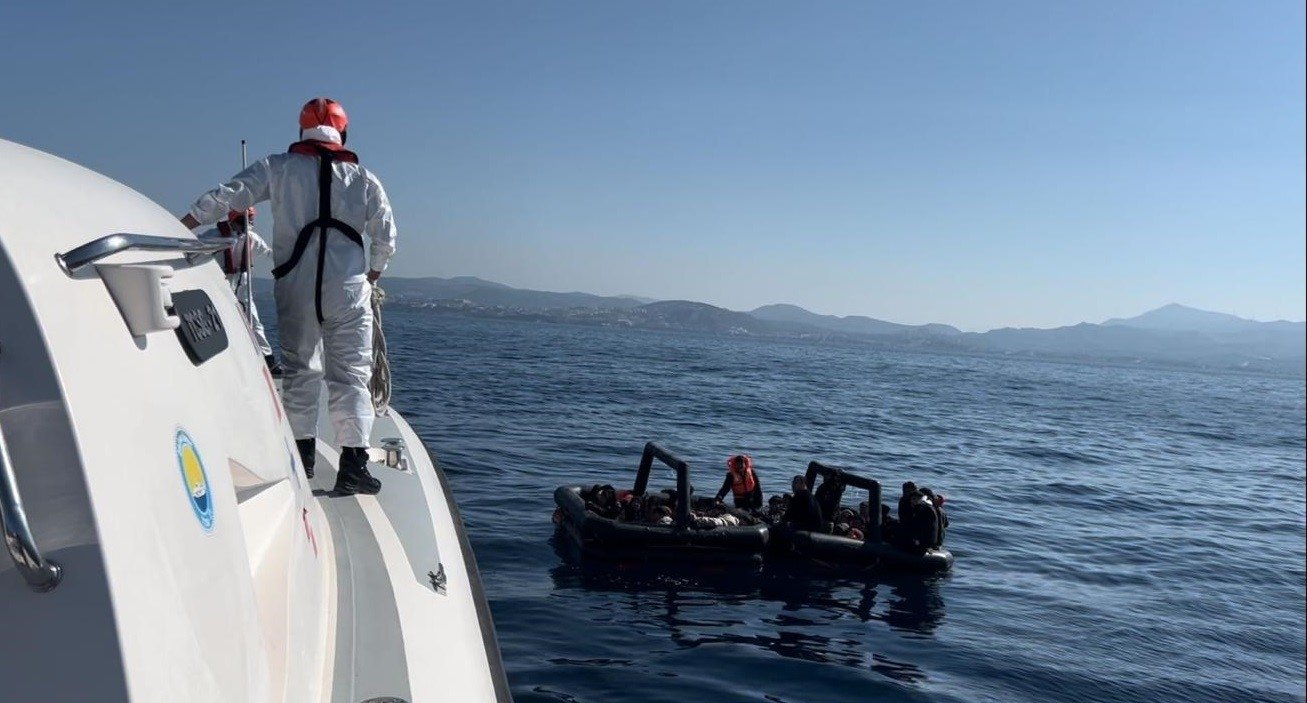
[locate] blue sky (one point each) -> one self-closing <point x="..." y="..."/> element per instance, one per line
<point x="979" y="164"/>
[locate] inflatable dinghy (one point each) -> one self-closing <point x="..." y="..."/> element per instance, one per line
<point x="681" y="540"/>
<point x="871" y="551"/>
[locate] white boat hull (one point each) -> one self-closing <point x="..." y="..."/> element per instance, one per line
<point x="197" y="563"/>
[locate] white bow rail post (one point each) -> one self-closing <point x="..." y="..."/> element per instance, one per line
<point x="41" y="574"/>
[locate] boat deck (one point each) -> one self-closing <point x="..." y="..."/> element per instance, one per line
<point x="410" y="618"/>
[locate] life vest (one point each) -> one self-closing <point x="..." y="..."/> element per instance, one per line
<point x="237" y="255"/>
<point x="327" y="153"/>
<point x="743" y="481"/>
<point x="314" y="147"/>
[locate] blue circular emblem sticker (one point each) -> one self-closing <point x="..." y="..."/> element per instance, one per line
<point x="195" y="480"/>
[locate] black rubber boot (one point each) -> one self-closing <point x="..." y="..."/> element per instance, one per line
<point x="353" y="476"/>
<point x="308" y="454"/>
<point x="273" y="366"/>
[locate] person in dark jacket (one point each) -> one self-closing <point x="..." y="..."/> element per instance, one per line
<point x="923" y="524"/>
<point x="828" y="495"/>
<point x="803" y="512"/>
<point x="602" y="501"/>
<point x="889" y="527"/>
<point x="776" y="507"/>
<point x="941" y="519"/>
<point x="742" y="482"/>
<point x="910" y="494"/>
<point x="634" y="510"/>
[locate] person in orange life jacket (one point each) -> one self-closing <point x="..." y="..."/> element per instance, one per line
<point x="742" y="482"/>
<point x="239" y="228"/>
<point x="324" y="206"/>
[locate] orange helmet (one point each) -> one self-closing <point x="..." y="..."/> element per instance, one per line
<point x="234" y="215"/>
<point x="323" y="112"/>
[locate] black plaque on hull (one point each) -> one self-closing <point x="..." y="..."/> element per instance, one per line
<point x="201" y="332"/>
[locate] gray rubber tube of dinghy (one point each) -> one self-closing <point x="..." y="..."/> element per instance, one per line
<point x="614" y="539"/>
<point x="833" y="549"/>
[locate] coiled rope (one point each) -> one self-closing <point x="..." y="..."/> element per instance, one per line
<point x="379" y="384"/>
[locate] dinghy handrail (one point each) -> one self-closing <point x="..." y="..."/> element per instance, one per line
<point x="80" y="257"/>
<point x="41" y="574"/>
<point x="848" y="478"/>
<point x="653" y="451"/>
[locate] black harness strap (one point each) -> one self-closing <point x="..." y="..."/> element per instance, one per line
<point x="323" y="223"/>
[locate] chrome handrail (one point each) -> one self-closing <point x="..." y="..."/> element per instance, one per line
<point x="91" y="252"/>
<point x="39" y="573"/>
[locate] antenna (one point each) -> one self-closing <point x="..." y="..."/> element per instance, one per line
<point x="248" y="264"/>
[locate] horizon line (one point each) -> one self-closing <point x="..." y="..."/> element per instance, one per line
<point x="814" y="312"/>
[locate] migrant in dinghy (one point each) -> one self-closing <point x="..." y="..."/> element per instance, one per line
<point x="873" y="543"/>
<point x="637" y="525"/>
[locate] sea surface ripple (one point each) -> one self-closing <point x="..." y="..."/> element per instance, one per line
<point x="1121" y="534"/>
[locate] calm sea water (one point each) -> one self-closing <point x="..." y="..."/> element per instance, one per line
<point x="1121" y="534"/>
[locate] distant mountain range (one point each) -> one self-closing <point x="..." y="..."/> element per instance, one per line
<point x="853" y="324"/>
<point x="1178" y="318"/>
<point x="1169" y="335"/>
<point x="483" y="292"/>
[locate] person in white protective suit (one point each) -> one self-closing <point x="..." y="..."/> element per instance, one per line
<point x="236" y="261"/>
<point x="323" y="206"/>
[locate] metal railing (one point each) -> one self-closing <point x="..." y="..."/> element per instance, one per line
<point x="40" y="573"/>
<point x="92" y="251"/>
